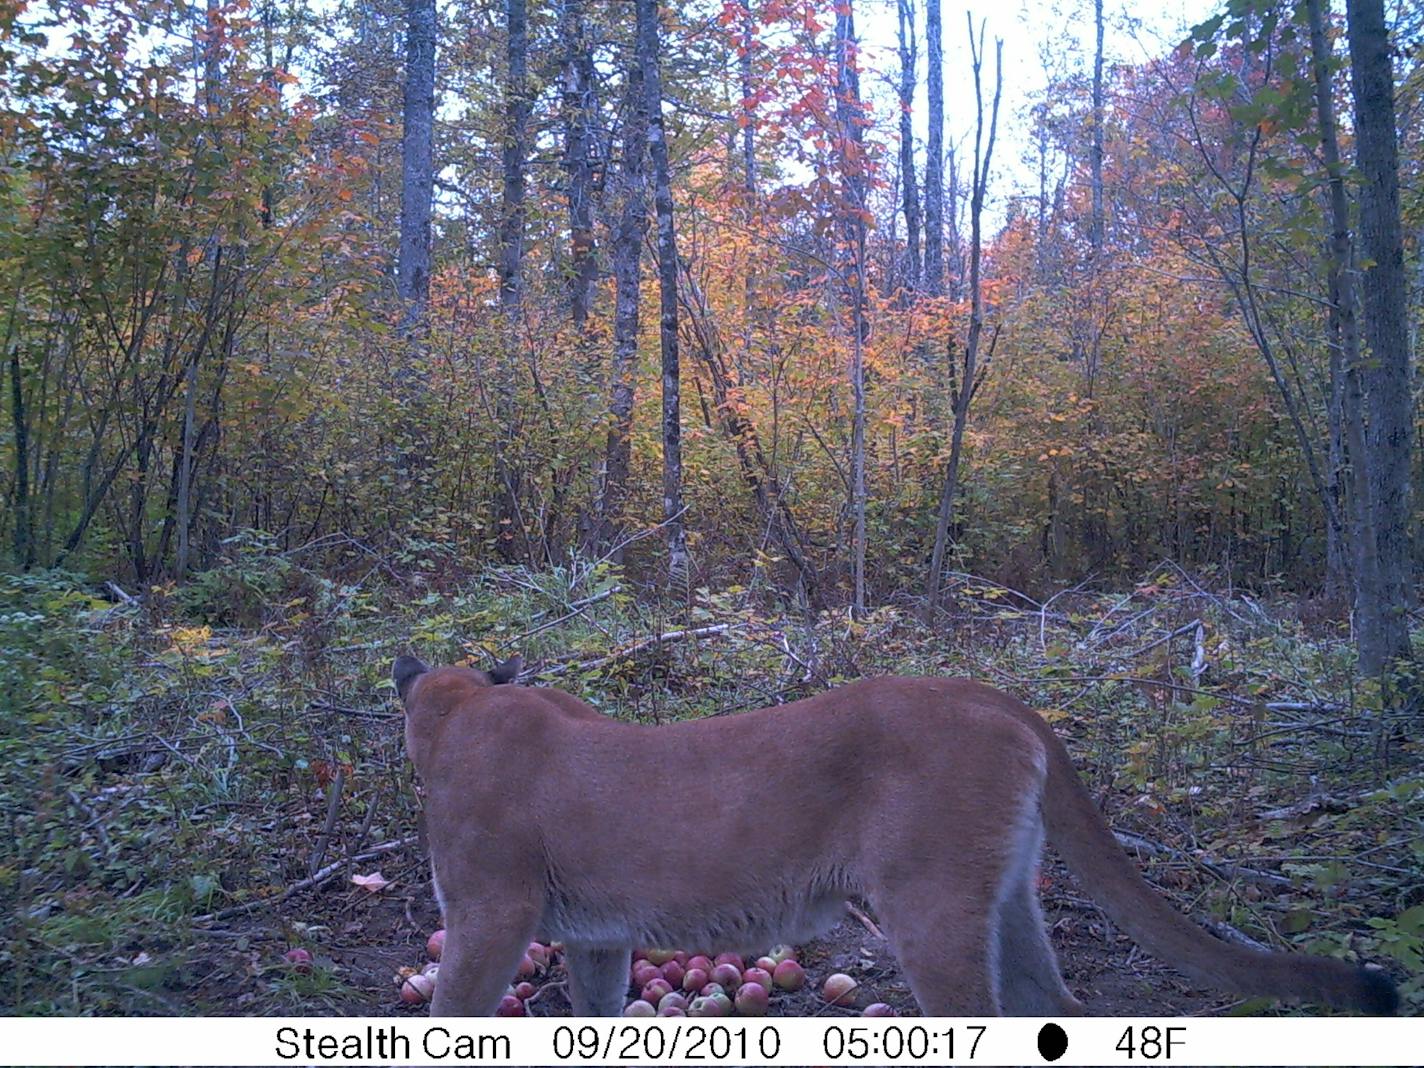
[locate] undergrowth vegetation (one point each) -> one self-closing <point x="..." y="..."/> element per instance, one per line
<point x="179" y="765"/>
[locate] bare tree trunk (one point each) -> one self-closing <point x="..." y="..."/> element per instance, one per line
<point x="648" y="47"/>
<point x="516" y="151"/>
<point x="968" y="375"/>
<point x="1387" y="370"/>
<point x="934" y="153"/>
<point x="24" y="545"/>
<point x="1347" y="416"/>
<point x="510" y="535"/>
<point x="954" y="248"/>
<point x="749" y="177"/>
<point x="774" y="513"/>
<point x="183" y="498"/>
<point x="748" y="78"/>
<point x="1096" y="153"/>
<point x="579" y="117"/>
<point x="417" y="152"/>
<point x="627" y="271"/>
<point x="905" y="14"/>
<point x="850" y="116"/>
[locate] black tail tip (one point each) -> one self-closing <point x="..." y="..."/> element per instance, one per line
<point x="1378" y="994"/>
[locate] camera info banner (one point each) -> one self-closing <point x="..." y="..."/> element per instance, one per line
<point x="821" y="1041"/>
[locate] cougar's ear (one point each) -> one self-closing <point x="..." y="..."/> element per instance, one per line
<point x="405" y="671"/>
<point x="507" y="671"/>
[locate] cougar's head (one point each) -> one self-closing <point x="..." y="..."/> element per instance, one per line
<point x="408" y="670"/>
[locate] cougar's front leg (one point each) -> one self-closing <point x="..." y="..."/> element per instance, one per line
<point x="484" y="938"/>
<point x="598" y="980"/>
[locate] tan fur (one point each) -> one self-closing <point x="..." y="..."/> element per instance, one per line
<point x="929" y="797"/>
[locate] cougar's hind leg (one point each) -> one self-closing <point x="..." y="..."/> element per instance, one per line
<point x="940" y="931"/>
<point x="598" y="980"/>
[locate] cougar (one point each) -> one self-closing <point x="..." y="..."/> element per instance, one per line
<point x="930" y="798"/>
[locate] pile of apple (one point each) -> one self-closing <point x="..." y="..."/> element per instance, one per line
<point x="663" y="982"/>
<point x="666" y="982"/>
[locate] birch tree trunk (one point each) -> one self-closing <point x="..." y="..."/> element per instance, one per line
<point x="850" y="115"/>
<point x="673" y="525"/>
<point x="1096" y="151"/>
<point x="580" y="111"/>
<point x="934" y="152"/>
<point x="905" y="15"/>
<point x="627" y="254"/>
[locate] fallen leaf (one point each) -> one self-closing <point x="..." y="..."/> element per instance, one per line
<point x="373" y="883"/>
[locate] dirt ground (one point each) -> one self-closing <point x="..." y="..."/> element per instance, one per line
<point x="360" y="941"/>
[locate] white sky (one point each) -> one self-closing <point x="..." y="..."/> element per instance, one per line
<point x="1135" y="32"/>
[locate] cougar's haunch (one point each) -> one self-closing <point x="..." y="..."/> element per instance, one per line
<point x="929" y="797"/>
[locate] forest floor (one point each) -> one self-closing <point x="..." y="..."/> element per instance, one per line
<point x="189" y="781"/>
<point x="366" y="939"/>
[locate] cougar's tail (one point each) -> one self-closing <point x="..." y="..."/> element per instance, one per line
<point x="1086" y="843"/>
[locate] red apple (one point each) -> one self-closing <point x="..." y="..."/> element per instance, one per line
<point x="524" y="991"/>
<point x="728" y="975"/>
<point x="760" y="976"/>
<point x="655" y="991"/>
<point x="673" y="1000"/>
<point x="879" y="1009"/>
<point x="417" y="989"/>
<point x="539" y="954"/>
<point x="838" y="988"/>
<point x="644" y="972"/>
<point x="752" y="999"/>
<point x="767" y="964"/>
<point x="734" y="959"/>
<point x="699" y="962"/>
<point x="526" y="969"/>
<point x="789" y="976"/>
<point x="673" y="973"/>
<point x="639" y="1008"/>
<point x="694" y="979"/>
<point x="435" y="944"/>
<point x="674" y="1011"/>
<point x="509" y="1005"/>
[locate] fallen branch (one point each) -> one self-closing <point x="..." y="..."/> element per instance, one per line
<point x="314" y="880"/>
<point x="1225" y="872"/>
<point x="691" y="634"/>
<point x="333" y="806"/>
<point x="360" y="713"/>
<point x="1228" y="933"/>
<point x="865" y="921"/>
<point x="126" y="598"/>
<point x="1185" y="628"/>
<point x="575" y="608"/>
